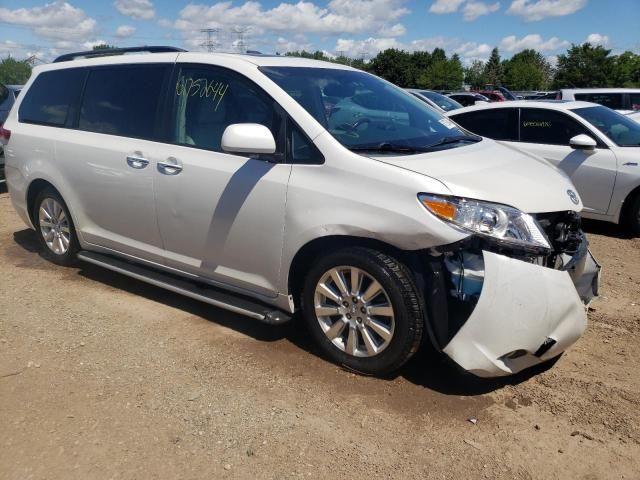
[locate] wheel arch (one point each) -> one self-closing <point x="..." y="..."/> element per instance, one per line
<point x="625" y="211"/>
<point x="314" y="248"/>
<point x="35" y="187"/>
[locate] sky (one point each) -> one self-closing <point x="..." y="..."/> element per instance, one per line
<point x="356" y="28"/>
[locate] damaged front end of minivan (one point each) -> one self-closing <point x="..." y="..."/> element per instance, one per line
<point x="497" y="307"/>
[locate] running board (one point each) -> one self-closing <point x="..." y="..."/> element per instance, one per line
<point x="235" y="303"/>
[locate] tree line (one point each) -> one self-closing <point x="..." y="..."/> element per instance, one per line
<point x="582" y="65"/>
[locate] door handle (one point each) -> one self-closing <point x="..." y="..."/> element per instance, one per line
<point x="137" y="162"/>
<point x="170" y="167"/>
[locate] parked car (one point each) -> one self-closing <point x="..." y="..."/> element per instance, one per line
<point x="468" y="98"/>
<point x="623" y="100"/>
<point x="634" y="116"/>
<point x="8" y="95"/>
<point x="492" y="95"/>
<point x="225" y="178"/>
<point x="596" y="146"/>
<point x="440" y="102"/>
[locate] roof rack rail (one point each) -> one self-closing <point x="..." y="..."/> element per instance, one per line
<point x="104" y="52"/>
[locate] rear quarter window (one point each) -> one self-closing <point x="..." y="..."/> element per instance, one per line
<point x="498" y="124"/>
<point x="51" y="97"/>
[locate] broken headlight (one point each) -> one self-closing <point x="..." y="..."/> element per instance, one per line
<point x="493" y="220"/>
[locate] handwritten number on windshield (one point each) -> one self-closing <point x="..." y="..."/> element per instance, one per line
<point x="203" y="88"/>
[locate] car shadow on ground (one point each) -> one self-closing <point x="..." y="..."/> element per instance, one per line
<point x="607" y="229"/>
<point x="428" y="368"/>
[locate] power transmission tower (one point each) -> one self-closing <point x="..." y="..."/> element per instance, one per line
<point x="240" y="43"/>
<point x="211" y="43"/>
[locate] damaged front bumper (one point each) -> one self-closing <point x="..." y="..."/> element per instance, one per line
<point x="505" y="314"/>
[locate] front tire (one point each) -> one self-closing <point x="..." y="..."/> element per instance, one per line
<point x="634" y="216"/>
<point x="363" y="310"/>
<point x="55" y="229"/>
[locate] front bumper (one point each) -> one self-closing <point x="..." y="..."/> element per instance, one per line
<point x="525" y="314"/>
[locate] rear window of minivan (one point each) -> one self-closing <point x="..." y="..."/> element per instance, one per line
<point x="50" y="97"/>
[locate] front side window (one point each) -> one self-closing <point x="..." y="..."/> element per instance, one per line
<point x="51" y="97"/>
<point x="123" y="100"/>
<point x="548" y="127"/>
<point x="365" y="113"/>
<point x="611" y="100"/>
<point x="209" y="99"/>
<point x="498" y="123"/>
<point x="620" y="129"/>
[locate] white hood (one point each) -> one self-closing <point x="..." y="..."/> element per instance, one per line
<point x="489" y="171"/>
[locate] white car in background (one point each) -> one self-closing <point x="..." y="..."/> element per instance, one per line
<point x="596" y="146"/>
<point x="634" y="116"/>
<point x="436" y="100"/>
<point x="623" y="100"/>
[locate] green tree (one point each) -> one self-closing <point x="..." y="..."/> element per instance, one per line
<point x="527" y="70"/>
<point x="393" y="65"/>
<point x="493" y="71"/>
<point x="585" y="66"/>
<point x="13" y="71"/>
<point x="474" y="74"/>
<point x="626" y="70"/>
<point x="103" y="46"/>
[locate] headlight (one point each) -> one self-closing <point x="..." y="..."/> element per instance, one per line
<point x="500" y="222"/>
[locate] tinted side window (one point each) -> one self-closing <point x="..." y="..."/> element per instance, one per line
<point x="548" y="127"/>
<point x="209" y="99"/>
<point x="51" y="97"/>
<point x="611" y="100"/>
<point x="499" y="123"/>
<point x="464" y="100"/>
<point x="635" y="101"/>
<point x="123" y="100"/>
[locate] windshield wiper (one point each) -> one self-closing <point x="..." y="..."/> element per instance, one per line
<point x="385" y="147"/>
<point x="448" y="140"/>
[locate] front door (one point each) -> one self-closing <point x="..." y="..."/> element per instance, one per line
<point x="221" y="216"/>
<point x="546" y="133"/>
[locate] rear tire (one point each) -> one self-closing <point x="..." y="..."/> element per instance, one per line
<point x="54" y="227"/>
<point x="363" y="311"/>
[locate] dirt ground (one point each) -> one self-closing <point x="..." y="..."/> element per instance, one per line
<point x="105" y="377"/>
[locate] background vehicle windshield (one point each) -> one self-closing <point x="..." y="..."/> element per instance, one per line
<point x="364" y="112"/>
<point x="445" y="103"/>
<point x="622" y="130"/>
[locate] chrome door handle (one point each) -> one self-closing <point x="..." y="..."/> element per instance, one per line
<point x="137" y="162"/>
<point x="170" y="167"/>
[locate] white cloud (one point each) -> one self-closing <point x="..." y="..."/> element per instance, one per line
<point x="512" y="44"/>
<point x="598" y="39"/>
<point x="445" y="6"/>
<point x="396" y="30"/>
<point x="340" y="16"/>
<point x="94" y="43"/>
<point x="124" y="31"/>
<point x="535" y="10"/>
<point x="57" y="20"/>
<point x="138" y="9"/>
<point x="165" y="23"/>
<point x="472" y="10"/>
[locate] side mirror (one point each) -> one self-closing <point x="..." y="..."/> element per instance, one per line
<point x="582" y="142"/>
<point x="248" y="138"/>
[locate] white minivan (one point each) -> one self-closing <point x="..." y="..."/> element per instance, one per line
<point x="259" y="184"/>
<point x="624" y="100"/>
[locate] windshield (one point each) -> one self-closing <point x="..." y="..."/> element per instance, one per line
<point x="445" y="103"/>
<point x="620" y="129"/>
<point x="364" y="112"/>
